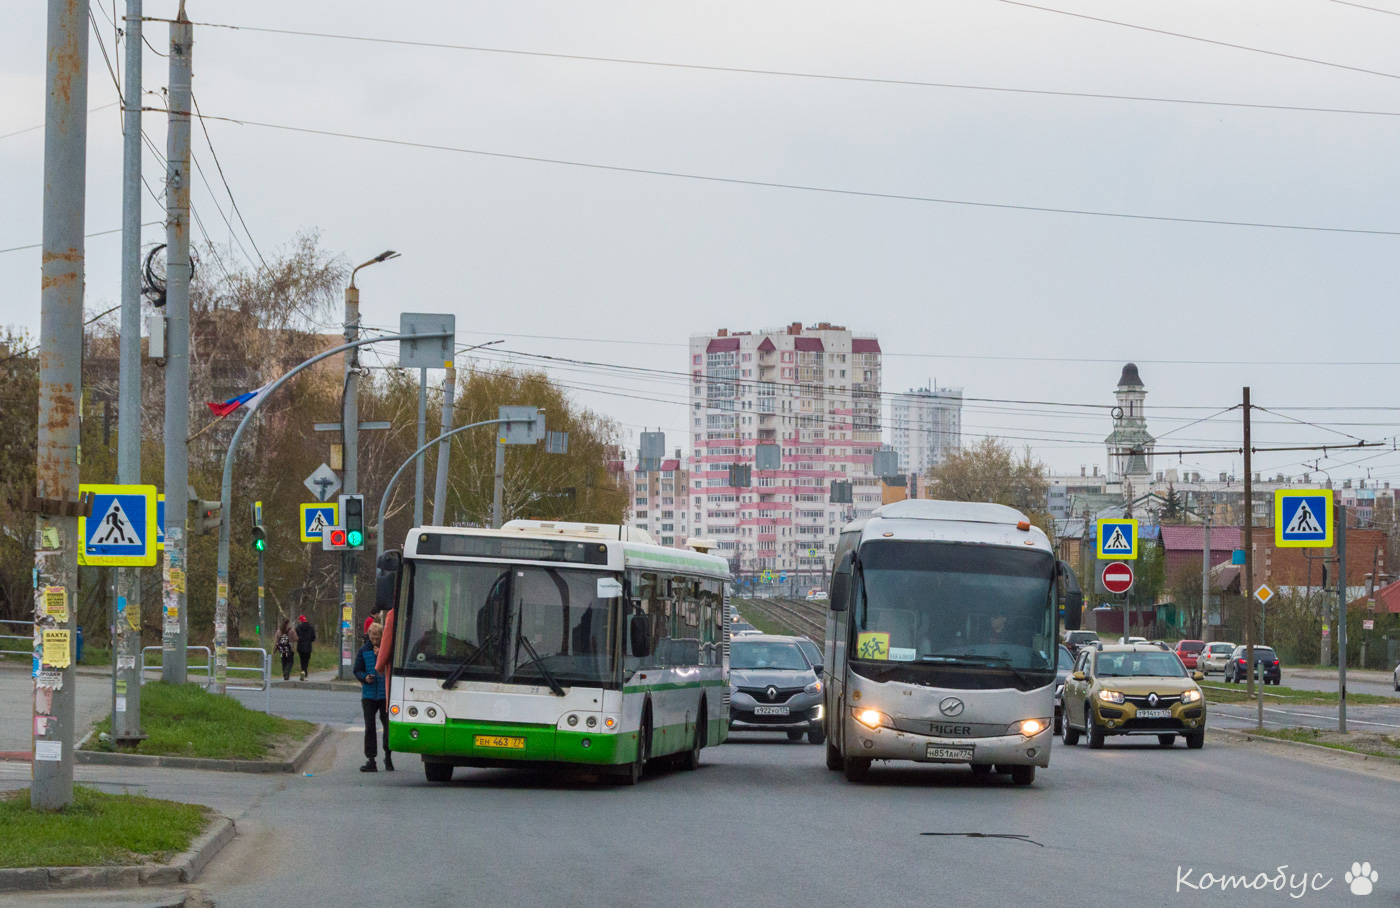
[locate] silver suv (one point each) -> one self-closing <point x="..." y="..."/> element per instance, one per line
<point x="772" y="687"/>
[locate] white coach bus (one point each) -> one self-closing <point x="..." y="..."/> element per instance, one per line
<point x="556" y="643"/>
<point x="941" y="640"/>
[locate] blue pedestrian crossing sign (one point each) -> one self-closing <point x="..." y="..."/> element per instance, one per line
<point x="122" y="528"/>
<point x="1303" y="518"/>
<point x="1118" y="539"/>
<point x="316" y="518"/>
<point x="160" y="521"/>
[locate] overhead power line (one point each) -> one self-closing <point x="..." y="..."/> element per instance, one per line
<point x="773" y="184"/>
<point x="1374" y="9"/>
<point x="85" y="236"/>
<point x="792" y="74"/>
<point x="1217" y="43"/>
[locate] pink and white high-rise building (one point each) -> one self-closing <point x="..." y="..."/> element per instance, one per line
<point x="804" y="405"/>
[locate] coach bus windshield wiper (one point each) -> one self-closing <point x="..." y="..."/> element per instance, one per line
<point x="451" y="680"/>
<point x="539" y="663"/>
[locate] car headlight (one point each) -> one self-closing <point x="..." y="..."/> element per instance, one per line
<point x="814" y="688"/>
<point x="1191" y="696"/>
<point x="1111" y="696"/>
<point x="1028" y="727"/>
<point x="872" y="718"/>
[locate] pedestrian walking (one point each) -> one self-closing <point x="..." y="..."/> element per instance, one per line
<point x="306" y="636"/>
<point x="284" y="647"/>
<point x="373" y="699"/>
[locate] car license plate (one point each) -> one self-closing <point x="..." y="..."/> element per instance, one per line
<point x="1154" y="714"/>
<point x="936" y="752"/>
<point x="511" y="743"/>
<point x="770" y="710"/>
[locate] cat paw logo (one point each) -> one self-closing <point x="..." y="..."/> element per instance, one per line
<point x="1361" y="878"/>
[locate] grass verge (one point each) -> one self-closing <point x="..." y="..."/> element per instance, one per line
<point x="185" y="720"/>
<point x="97" y="828"/>
<point x="762" y="622"/>
<point x="1236" y="694"/>
<point x="1356" y="742"/>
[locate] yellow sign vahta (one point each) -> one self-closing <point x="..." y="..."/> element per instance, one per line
<point x="58" y="649"/>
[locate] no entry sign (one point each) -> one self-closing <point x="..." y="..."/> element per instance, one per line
<point x="1117" y="577"/>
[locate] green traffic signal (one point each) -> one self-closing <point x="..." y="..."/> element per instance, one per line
<point x="260" y="545"/>
<point x="259" y="539"/>
<point x="355" y="538"/>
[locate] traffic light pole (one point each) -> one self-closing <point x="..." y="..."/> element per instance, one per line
<point x="226" y="492"/>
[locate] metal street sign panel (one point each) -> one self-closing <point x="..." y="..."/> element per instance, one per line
<point x="1117" y="577"/>
<point x="122" y="528"/>
<point x="1118" y="539"/>
<point x="316" y="519"/>
<point x="1303" y="518"/>
<point x="525" y="426"/>
<point x="160" y="521"/>
<point x="323" y="482"/>
<point x="1264" y="594"/>
<point x="1368" y="625"/>
<point x="430" y="352"/>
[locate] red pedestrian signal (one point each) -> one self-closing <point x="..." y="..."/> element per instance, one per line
<point x="338" y="538"/>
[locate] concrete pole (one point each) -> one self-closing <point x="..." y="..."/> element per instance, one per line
<point x="350" y="427"/>
<point x="422" y="437"/>
<point x="60" y="400"/>
<point x="1205" y="578"/>
<point x="449" y="388"/>
<point x="1342" y="618"/>
<point x="499" y="493"/>
<point x="126" y="666"/>
<point x="175" y="624"/>
<point x="1248" y="590"/>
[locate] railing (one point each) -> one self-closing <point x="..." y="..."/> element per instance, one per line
<point x="190" y="665"/>
<point x="27" y="640"/>
<point x="262" y="671"/>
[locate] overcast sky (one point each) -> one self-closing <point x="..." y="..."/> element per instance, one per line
<point x="1010" y="305"/>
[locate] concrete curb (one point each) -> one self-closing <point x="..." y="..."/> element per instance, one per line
<point x="184" y="868"/>
<point x="297" y="761"/>
<point x="1349" y="754"/>
<point x="319" y="685"/>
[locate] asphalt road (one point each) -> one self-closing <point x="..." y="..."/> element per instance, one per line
<point x="764" y="823"/>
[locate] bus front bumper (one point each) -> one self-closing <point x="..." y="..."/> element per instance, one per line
<point x="466" y="742"/>
<point x="886" y="743"/>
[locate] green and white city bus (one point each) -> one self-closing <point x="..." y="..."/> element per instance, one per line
<point x="557" y="643"/>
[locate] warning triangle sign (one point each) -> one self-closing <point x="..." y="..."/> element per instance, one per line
<point x="1304" y="520"/>
<point x="1117" y="542"/>
<point x="116" y="528"/>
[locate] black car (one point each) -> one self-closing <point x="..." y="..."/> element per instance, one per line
<point x="1266" y="665"/>
<point x="1077" y="640"/>
<point x="1063" y="667"/>
<point x="772" y="687"/>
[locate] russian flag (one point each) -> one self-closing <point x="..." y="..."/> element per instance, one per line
<point x="251" y="399"/>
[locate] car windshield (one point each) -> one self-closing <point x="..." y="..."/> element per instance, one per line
<point x="477" y="615"/>
<point x="955" y="603"/>
<point x="1192" y="646"/>
<point x="1066" y="662"/>
<point x="766" y="654"/>
<point x="810" y="650"/>
<point x="1219" y="648"/>
<point x="1134" y="665"/>
<point x="1082" y="636"/>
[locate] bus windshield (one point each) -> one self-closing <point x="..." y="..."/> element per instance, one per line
<point x="508" y="622"/>
<point x="955" y="604"/>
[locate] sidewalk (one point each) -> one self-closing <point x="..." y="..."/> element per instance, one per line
<point x="319" y="680"/>
<point x="1368" y="675"/>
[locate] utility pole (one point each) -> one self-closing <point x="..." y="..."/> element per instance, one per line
<point x="126" y="662"/>
<point x="175" y="623"/>
<point x="498" y="495"/>
<point x="449" y="388"/>
<point x="422" y="437"/>
<point x="1248" y="590"/>
<point x="60" y="399"/>
<point x="1342" y="618"/>
<point x="1205" y="577"/>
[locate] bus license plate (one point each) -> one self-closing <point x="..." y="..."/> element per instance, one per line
<point x="770" y="710"/>
<point x="511" y="743"/>
<point x="1154" y="714"/>
<point x="936" y="752"/>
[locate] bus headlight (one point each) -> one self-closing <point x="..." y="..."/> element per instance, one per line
<point x="814" y="688"/>
<point x="1029" y="727"/>
<point x="1191" y="696"/>
<point x="1111" y="696"/>
<point x="872" y="718"/>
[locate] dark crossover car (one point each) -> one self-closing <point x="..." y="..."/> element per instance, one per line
<point x="772" y="687"/>
<point x="1077" y="640"/>
<point x="1266" y="666"/>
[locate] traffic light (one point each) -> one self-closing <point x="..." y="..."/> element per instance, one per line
<point x="259" y="539"/>
<point x="208" y="517"/>
<point x="352" y="513"/>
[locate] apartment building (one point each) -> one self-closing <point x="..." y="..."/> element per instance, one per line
<point x="797" y="411"/>
<point x="926" y="426"/>
<point x="661" y="498"/>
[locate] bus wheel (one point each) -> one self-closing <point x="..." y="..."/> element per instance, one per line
<point x="1022" y="775"/>
<point x="638" y="767"/>
<point x="833" y="757"/>
<point x="690" y="760"/>
<point x="857" y="769"/>
<point x="437" y="772"/>
<point x="981" y="769"/>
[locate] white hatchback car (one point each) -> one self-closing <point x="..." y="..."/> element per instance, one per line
<point x="1214" y="657"/>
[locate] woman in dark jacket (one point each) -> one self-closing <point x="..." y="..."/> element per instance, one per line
<point x="284" y="642"/>
<point x="306" y="636"/>
<point x="373" y="699"/>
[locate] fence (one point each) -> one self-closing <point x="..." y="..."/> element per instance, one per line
<point x="262" y="671"/>
<point x="26" y="641"/>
